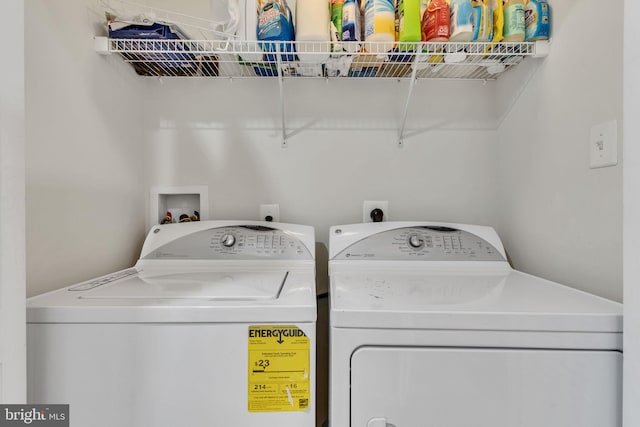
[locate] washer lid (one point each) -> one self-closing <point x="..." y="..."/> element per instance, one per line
<point x="204" y="285"/>
<point x="199" y="294"/>
<point x="450" y="299"/>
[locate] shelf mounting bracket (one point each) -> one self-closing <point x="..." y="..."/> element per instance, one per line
<point x="412" y="83"/>
<point x="101" y="45"/>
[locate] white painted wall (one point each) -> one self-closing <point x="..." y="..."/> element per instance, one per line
<point x="226" y="135"/>
<point x="12" y="205"/>
<point x="558" y="218"/>
<point x="84" y="150"/>
<point x="631" y="215"/>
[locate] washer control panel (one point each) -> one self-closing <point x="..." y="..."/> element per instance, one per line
<point x="425" y="243"/>
<point x="235" y="242"/>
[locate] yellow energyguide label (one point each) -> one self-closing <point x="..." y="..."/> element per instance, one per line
<point x="278" y="369"/>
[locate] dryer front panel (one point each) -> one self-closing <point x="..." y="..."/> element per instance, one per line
<point x="462" y="387"/>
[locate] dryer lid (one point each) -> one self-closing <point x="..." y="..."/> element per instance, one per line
<point x="458" y="300"/>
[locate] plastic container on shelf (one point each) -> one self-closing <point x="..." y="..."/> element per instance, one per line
<point x="514" y="20"/>
<point x="436" y="22"/>
<point x="408" y="18"/>
<point x="379" y="25"/>
<point x="313" y="26"/>
<point x="351" y="31"/>
<point x="336" y="16"/>
<point x="275" y="24"/>
<point x="336" y="25"/>
<point x="498" y="20"/>
<point x="461" y="21"/>
<point x="537" y="17"/>
<point x="482" y="21"/>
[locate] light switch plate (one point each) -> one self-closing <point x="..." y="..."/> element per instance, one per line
<point x="603" y="145"/>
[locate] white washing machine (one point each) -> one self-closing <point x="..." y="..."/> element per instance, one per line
<point x="215" y="325"/>
<point x="430" y="326"/>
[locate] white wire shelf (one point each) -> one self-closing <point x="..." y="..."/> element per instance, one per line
<point x="289" y="60"/>
<point x="237" y="59"/>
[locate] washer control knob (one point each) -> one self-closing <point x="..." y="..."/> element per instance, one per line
<point x="228" y="240"/>
<point x="415" y="241"/>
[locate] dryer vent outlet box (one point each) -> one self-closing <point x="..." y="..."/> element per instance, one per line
<point x="178" y="201"/>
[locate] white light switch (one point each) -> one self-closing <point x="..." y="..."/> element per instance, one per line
<point x="603" y="145"/>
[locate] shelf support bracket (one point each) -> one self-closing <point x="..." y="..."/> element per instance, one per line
<point x="412" y="83"/>
<point x="101" y="45"/>
<point x="281" y="85"/>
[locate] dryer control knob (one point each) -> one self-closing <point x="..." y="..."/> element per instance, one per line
<point x="415" y="241"/>
<point x="228" y="240"/>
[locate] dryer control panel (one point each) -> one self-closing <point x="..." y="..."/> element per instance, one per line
<point x="422" y="243"/>
<point x="234" y="242"/>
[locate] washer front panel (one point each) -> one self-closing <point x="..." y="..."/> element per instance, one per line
<point x="422" y="243"/>
<point x="151" y="375"/>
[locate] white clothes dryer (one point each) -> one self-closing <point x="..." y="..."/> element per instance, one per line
<point x="430" y="326"/>
<point x="214" y="326"/>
